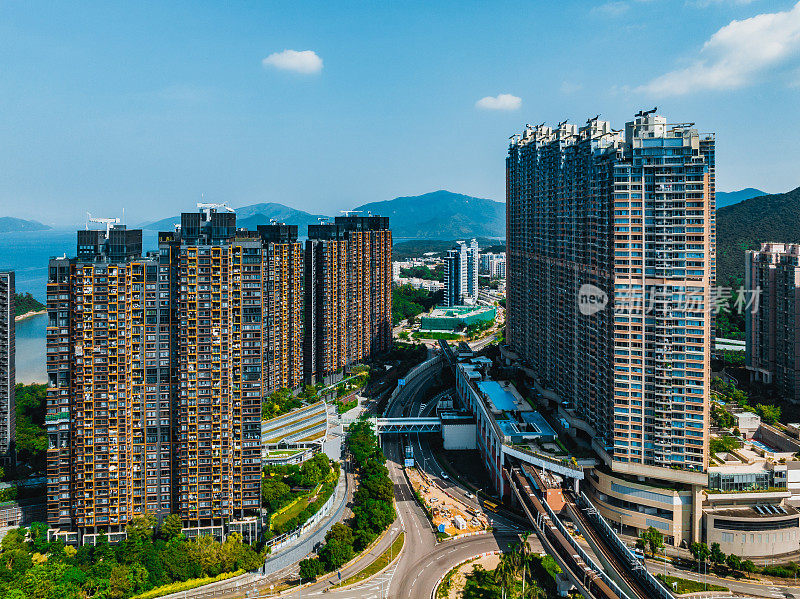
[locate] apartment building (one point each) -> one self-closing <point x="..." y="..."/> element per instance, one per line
<point x="494" y="265"/>
<point x="7" y="372"/>
<point x="348" y="279"/>
<point x="772" y="321"/>
<point x="109" y="412"/>
<point x="610" y="261"/>
<point x="157" y="365"/>
<point x="461" y="267"/>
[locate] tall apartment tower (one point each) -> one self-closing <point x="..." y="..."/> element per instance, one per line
<point x="7" y="371"/>
<point x="595" y="215"/>
<point x="772" y="322"/>
<point x="157" y="365"/>
<point x="462" y="264"/>
<point x="473" y="266"/>
<point x="348" y="293"/>
<point x="109" y="410"/>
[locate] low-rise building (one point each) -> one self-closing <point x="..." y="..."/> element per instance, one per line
<point x="455" y="317"/>
<point x="750" y="503"/>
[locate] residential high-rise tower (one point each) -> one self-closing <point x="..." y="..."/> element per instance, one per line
<point x="7" y="371"/>
<point x="348" y="293"/>
<point x="772" y="318"/>
<point x="157" y="366"/>
<point x="461" y="267"/>
<point x="610" y="263"/>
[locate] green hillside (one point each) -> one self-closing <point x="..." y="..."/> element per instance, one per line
<point x="747" y="224"/>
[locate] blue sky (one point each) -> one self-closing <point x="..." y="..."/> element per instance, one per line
<point x="148" y="105"/>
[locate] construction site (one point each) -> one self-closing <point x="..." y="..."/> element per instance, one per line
<point x="449" y="516"/>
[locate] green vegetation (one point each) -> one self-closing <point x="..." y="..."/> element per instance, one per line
<point x="278" y="403"/>
<point x="25" y="302"/>
<point x="177" y="587"/>
<point x="437" y="335"/>
<point x="690" y="586"/>
<point x="650" y="539"/>
<point x="423" y="272"/>
<point x="373" y="511"/>
<point x="348" y="387"/>
<point x="724" y="443"/>
<point x="31" y="567"/>
<point x="31" y="437"/>
<point x="520" y="573"/>
<point x="771" y="414"/>
<point x="407" y="302"/>
<point x="722" y="417"/>
<point x="745" y="225"/>
<point x="293" y="493"/>
<point x="383" y="560"/>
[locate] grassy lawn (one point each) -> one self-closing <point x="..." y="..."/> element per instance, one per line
<point x="293" y="509"/>
<point x="379" y="564"/>
<point x="690" y="586"/>
<point x="434" y="335"/>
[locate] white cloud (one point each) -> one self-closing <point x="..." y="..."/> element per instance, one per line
<point x="499" y="102"/>
<point x="707" y="3"/>
<point x="570" y="87"/>
<point x="305" y="61"/>
<point x="735" y="55"/>
<point x="612" y="9"/>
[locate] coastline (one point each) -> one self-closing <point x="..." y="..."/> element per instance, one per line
<point x="29" y="315"/>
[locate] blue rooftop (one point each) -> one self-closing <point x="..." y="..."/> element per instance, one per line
<point x="500" y="398"/>
<point x="538" y="421"/>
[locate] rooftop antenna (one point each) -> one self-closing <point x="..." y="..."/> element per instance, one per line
<point x="107" y="221"/>
<point x="218" y="206"/>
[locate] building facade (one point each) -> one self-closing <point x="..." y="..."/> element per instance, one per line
<point x="7" y="368"/>
<point x="157" y="365"/>
<point x="772" y="324"/>
<point x="461" y="268"/>
<point x="610" y="262"/>
<point x="348" y="279"/>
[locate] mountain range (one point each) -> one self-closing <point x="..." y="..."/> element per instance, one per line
<point x="728" y="198"/>
<point x="252" y="216"/>
<point x="9" y="224"/>
<point x="436" y="215"/>
<point x="744" y="226"/>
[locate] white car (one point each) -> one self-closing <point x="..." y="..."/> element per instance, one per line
<point x="469" y="495"/>
<point x="444" y="475"/>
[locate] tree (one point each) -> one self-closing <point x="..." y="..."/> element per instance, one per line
<point x="274" y="493"/>
<point x="769" y="414"/>
<point x="335" y="553"/>
<point x="171" y="527"/>
<point x="717" y="555"/>
<point x="141" y="528"/>
<point x="654" y="539"/>
<point x="748" y="566"/>
<point x="340" y="532"/>
<point x="700" y="551"/>
<point x="734" y="562"/>
<point x="311" y="568"/>
<point x="504" y="572"/>
<point x="524" y="552"/>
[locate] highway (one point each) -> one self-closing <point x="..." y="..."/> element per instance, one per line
<point x="423" y="561"/>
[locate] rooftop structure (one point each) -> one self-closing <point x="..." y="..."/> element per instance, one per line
<point x="451" y="318"/>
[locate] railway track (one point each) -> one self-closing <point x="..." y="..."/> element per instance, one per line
<point x="538" y="516"/>
<point x="608" y="552"/>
